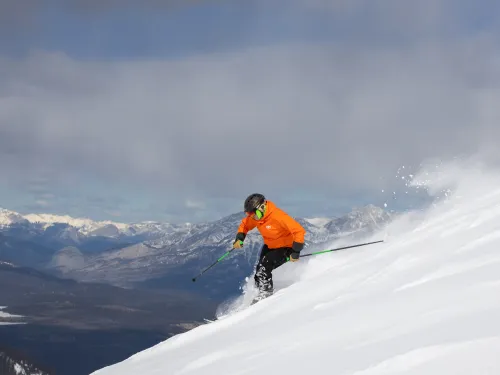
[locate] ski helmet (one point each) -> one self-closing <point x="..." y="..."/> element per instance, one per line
<point x="253" y="202"/>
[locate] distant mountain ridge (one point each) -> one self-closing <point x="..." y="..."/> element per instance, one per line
<point x="89" y="227"/>
<point x="158" y="254"/>
<point x="8" y="217"/>
<point x="86" y="226"/>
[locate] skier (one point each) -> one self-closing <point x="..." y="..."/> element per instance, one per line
<point x="283" y="238"/>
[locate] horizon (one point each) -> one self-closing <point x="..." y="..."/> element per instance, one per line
<point x="331" y="217"/>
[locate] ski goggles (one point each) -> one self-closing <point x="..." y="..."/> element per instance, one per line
<point x="258" y="213"/>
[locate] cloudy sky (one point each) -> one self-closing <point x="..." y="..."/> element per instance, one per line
<point x="177" y="110"/>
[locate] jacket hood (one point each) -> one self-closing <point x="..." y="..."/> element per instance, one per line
<point x="270" y="207"/>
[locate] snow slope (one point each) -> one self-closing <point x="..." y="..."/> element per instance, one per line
<point x="424" y="302"/>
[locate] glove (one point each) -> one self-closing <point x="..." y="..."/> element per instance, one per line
<point x="295" y="251"/>
<point x="238" y="244"/>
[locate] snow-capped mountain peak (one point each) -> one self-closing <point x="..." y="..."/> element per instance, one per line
<point x="89" y="227"/>
<point x="8" y="217"/>
<point x="85" y="225"/>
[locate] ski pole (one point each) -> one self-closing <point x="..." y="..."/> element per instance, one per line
<point x="339" y="248"/>
<point x="213" y="264"/>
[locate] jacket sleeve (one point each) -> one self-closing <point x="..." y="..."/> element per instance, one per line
<point x="296" y="229"/>
<point x="246" y="225"/>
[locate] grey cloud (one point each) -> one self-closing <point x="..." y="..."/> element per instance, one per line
<point x="272" y="119"/>
<point x="102" y="5"/>
<point x="18" y="13"/>
<point x="110" y="203"/>
<point x="425" y="18"/>
<point x="26" y="17"/>
<point x="47" y="196"/>
<point x="96" y="200"/>
<point x="15" y="10"/>
<point x="360" y="19"/>
<point x="331" y="119"/>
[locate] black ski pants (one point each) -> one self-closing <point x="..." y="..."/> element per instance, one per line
<point x="269" y="260"/>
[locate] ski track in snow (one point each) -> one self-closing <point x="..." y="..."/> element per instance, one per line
<point x="461" y="353"/>
<point x="425" y="302"/>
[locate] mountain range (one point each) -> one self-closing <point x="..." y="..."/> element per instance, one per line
<point x="85" y="227"/>
<point x="155" y="254"/>
<point x="76" y="230"/>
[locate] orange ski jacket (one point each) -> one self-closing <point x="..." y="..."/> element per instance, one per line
<point x="277" y="228"/>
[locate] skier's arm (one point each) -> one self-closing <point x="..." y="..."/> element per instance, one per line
<point x="246" y="225"/>
<point x="297" y="231"/>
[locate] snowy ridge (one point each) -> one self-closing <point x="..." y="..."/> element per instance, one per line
<point x="424" y="302"/>
<point x="168" y="234"/>
<point x="88" y="227"/>
<point x="8" y="217"/>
